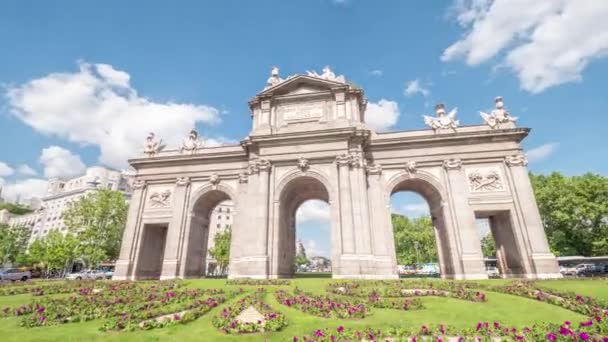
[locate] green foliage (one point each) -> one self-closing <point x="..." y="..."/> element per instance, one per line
<point x="488" y="247"/>
<point x="221" y="249"/>
<point x="13" y="242"/>
<point x="98" y="219"/>
<point x="414" y="240"/>
<point x="574" y="211"/>
<point x="301" y="260"/>
<point x="15" y="208"/>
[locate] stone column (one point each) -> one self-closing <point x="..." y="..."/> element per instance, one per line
<point x="346" y="212"/>
<point x="175" y="233"/>
<point x="471" y="257"/>
<point x="382" y="238"/>
<point x="262" y="218"/>
<point x="361" y="232"/>
<point x="128" y="248"/>
<point x="543" y="262"/>
<point x="240" y="227"/>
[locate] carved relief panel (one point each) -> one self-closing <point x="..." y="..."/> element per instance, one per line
<point x="485" y="179"/>
<point x="159" y="198"/>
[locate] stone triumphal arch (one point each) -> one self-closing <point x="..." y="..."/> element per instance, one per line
<point x="309" y="140"/>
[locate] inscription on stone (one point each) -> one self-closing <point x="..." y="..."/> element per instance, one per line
<point x="303" y="112"/>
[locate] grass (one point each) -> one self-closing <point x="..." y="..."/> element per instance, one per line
<point x="508" y="309"/>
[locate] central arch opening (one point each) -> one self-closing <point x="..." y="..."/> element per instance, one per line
<point x="293" y="196"/>
<point x="421" y="239"/>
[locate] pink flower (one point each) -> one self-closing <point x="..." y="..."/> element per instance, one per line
<point x="551" y="337"/>
<point x="587" y="324"/>
<point x="319" y="333"/>
<point x="340" y="329"/>
<point x="584" y="336"/>
<point x="479" y="325"/>
<point x="564" y="331"/>
<point x="295" y="339"/>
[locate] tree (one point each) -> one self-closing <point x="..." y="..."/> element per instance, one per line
<point x="301" y="260"/>
<point x="60" y="250"/>
<point x="15" y="208"/>
<point x="98" y="220"/>
<point x="221" y="249"/>
<point x="488" y="247"/>
<point x="13" y="243"/>
<point x="414" y="240"/>
<point x="574" y="211"/>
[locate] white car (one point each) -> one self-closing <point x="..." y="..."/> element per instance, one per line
<point x="493" y="272"/>
<point x="14" y="274"/>
<point x="89" y="274"/>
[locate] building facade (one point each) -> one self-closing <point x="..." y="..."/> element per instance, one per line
<point x="62" y="192"/>
<point x="308" y="141"/>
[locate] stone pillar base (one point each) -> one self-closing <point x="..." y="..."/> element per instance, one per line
<point x="546" y="266"/>
<point x="354" y="266"/>
<point x="122" y="270"/>
<point x="473" y="268"/>
<point x="249" y="267"/>
<point x="170" y="269"/>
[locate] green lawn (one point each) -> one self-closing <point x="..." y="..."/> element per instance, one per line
<point x="508" y="309"/>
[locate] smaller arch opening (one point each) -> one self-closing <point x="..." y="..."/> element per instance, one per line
<point x="210" y="223"/>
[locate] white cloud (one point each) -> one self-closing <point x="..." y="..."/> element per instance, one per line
<point x="59" y="162"/>
<point x="382" y="115"/>
<point x="23" y="189"/>
<point x="413" y="210"/>
<point x="313" y="250"/>
<point x="26" y="170"/>
<point x="545" y="43"/>
<point x="541" y="152"/>
<point x="376" y="72"/>
<point x="313" y="211"/>
<point x="97" y="105"/>
<point x="5" y="170"/>
<point x="414" y="87"/>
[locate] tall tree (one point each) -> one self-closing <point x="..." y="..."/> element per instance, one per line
<point x="60" y="251"/>
<point x="221" y="249"/>
<point x="414" y="240"/>
<point x="574" y="211"/>
<point x="13" y="243"/>
<point x="98" y="220"/>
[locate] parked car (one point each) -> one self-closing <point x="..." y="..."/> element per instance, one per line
<point x="88" y="274"/>
<point x="14" y="274"/>
<point x="583" y="269"/>
<point x="493" y="272"/>
<point x="592" y="271"/>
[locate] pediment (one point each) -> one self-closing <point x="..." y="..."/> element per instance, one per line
<point x="301" y="84"/>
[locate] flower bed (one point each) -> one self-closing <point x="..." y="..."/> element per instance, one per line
<point x="415" y="288"/>
<point x="595" y="329"/>
<point x="228" y="323"/>
<point x="123" y="305"/>
<point x="322" y="306"/>
<point x="258" y="282"/>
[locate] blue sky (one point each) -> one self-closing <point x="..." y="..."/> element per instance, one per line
<point x="83" y="82"/>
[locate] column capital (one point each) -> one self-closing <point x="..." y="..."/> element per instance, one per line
<point x="182" y="181"/>
<point x="243" y="177"/>
<point x="375" y="169"/>
<point x="263" y="164"/>
<point x="452" y="164"/>
<point x="516" y="160"/>
<point x="343" y="159"/>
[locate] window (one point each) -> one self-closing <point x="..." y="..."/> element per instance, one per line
<point x="226" y="226"/>
<point x="219" y="217"/>
<point x="227" y="210"/>
<point x="218" y="225"/>
<point x="220" y="209"/>
<point x="227" y="217"/>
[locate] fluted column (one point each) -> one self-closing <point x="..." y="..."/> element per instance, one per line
<point x="128" y="248"/>
<point x="346" y="212"/>
<point x="361" y="229"/>
<point x="263" y="192"/>
<point x="175" y="234"/>
<point x="382" y="239"/>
